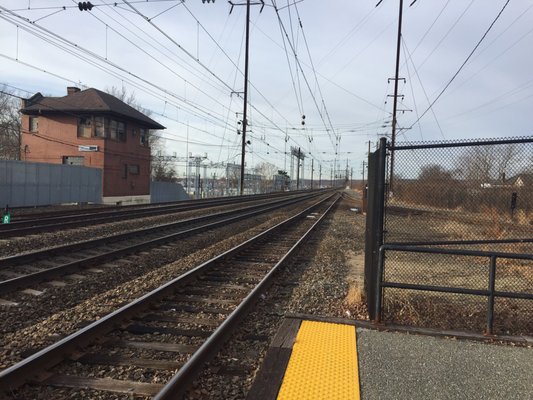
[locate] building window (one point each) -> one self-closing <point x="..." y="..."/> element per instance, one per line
<point x="124" y="171"/>
<point x="133" y="169"/>
<point x="85" y="127"/>
<point x="133" y="132"/>
<point x="73" y="160"/>
<point x="113" y="129"/>
<point x="99" y="127"/>
<point x="143" y="134"/>
<point x="34" y="124"/>
<point x="121" y="129"/>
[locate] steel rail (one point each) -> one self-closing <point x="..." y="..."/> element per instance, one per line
<point x="29" y="368"/>
<point x="40" y="276"/>
<point x="92" y="218"/>
<point x="102" y="208"/>
<point x="50" y="215"/>
<point x="177" y="386"/>
<point x="26" y="257"/>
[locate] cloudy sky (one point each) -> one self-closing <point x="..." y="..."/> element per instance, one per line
<point x="328" y="61"/>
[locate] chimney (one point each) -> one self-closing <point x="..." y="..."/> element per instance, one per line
<point x="72" y="90"/>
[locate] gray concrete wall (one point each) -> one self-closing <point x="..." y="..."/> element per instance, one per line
<point x="161" y="192"/>
<point x="36" y="184"/>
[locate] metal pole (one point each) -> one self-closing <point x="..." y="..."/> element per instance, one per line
<point x="364" y="173"/>
<point x="377" y="234"/>
<point x="298" y="171"/>
<point x="187" y="158"/>
<point x="490" y="306"/>
<point x="312" y="171"/>
<point x="320" y="176"/>
<point x="244" y="114"/>
<point x="395" y="101"/>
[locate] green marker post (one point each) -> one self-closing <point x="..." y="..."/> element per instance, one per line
<point x="6" y="218"/>
<point x="6" y="215"/>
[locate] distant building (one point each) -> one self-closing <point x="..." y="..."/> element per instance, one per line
<point x="523" y="180"/>
<point x="94" y="129"/>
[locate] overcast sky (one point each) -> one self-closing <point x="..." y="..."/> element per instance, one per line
<point x="184" y="60"/>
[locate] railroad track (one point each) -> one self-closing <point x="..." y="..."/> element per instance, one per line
<point x="157" y="344"/>
<point x="25" y="270"/>
<point x="48" y="222"/>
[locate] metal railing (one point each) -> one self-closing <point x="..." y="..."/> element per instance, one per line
<point x="491" y="292"/>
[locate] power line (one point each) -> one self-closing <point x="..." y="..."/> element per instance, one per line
<point x="76" y="47"/>
<point x="464" y="63"/>
<point x="301" y="69"/>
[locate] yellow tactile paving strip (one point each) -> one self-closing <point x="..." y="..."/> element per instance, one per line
<point x="323" y="364"/>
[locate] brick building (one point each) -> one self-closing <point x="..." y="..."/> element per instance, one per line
<point x="94" y="129"/>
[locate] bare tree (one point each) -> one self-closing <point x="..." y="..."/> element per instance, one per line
<point x="434" y="173"/>
<point x="163" y="171"/>
<point x="10" y="126"/>
<point x="488" y="163"/>
<point x="267" y="170"/>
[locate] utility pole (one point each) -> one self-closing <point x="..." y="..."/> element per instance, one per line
<point x="395" y="101"/>
<point x="312" y="171"/>
<point x="298" y="171"/>
<point x="346" y="173"/>
<point x="320" y="176"/>
<point x="245" y="106"/>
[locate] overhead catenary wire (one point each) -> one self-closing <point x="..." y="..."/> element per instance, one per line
<point x="303" y="73"/>
<point x="191" y="56"/>
<point x="464" y="63"/>
<point x="89" y="61"/>
<point x="72" y="46"/>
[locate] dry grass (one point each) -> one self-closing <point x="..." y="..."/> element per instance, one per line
<point x="523" y="218"/>
<point x="457" y="312"/>
<point x="453" y="311"/>
<point x="355" y="296"/>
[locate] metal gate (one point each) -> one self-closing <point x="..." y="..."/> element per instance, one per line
<point x="450" y="235"/>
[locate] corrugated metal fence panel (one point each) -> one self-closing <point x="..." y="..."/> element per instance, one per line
<point x="36" y="184"/>
<point x="161" y="192"/>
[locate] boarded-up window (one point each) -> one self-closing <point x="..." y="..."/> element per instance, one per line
<point x="113" y="129"/>
<point x="73" y="160"/>
<point x="34" y="124"/>
<point x="133" y="169"/>
<point x="121" y="129"/>
<point x="85" y="127"/>
<point x="99" y="127"/>
<point x="143" y="137"/>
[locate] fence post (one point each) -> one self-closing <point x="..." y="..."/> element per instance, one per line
<point x="374" y="222"/>
<point x="490" y="303"/>
<point x="379" y="289"/>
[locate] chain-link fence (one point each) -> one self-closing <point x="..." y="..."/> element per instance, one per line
<point x="459" y="199"/>
<point x="461" y="192"/>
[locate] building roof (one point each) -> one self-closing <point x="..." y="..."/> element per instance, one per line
<point x="92" y="101"/>
<point x="526" y="179"/>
